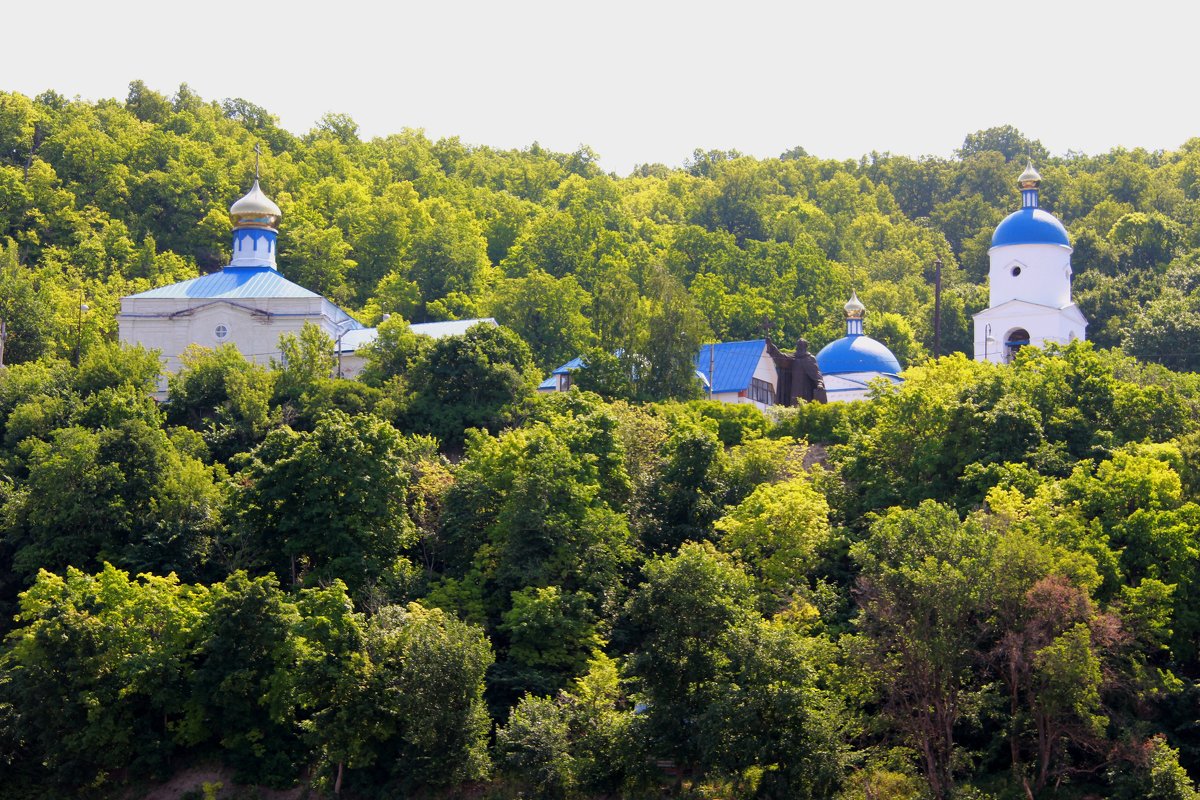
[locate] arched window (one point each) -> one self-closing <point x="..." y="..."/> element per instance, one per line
<point x="1014" y="341"/>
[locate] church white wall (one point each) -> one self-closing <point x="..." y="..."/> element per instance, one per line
<point x="352" y="365"/>
<point x="851" y="386"/>
<point x="737" y="398"/>
<point x="766" y="370"/>
<point x="1043" y="274"/>
<point x="254" y="327"/>
<point x="1044" y="325"/>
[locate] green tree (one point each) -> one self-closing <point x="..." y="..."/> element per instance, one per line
<point x="672" y="336"/>
<point x="898" y="336"/>
<point x="449" y="254"/>
<point x="427" y="697"/>
<point x="679" y="617"/>
<point x="317" y="257"/>
<point x="323" y="687"/>
<point x="780" y="532"/>
<point x="551" y="637"/>
<point x="772" y="715"/>
<point x="583" y="739"/>
<point x="394" y="352"/>
<point x="612" y="376"/>
<point x="1067" y="703"/>
<point x="548" y="314"/>
<point x="327" y="504"/>
<point x="305" y="360"/>
<point x="23" y="309"/>
<point x="123" y="494"/>
<point x="685" y="496"/>
<point x="96" y="676"/>
<point x="243" y="644"/>
<point x="477" y="380"/>
<point x="1006" y="140"/>
<point x="1163" y="330"/>
<point x="535" y="745"/>
<point x="222" y="395"/>
<point x="922" y="574"/>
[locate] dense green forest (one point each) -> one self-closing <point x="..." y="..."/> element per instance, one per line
<point x="434" y="582"/>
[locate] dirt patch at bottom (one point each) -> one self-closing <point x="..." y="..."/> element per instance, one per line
<point x="191" y="782"/>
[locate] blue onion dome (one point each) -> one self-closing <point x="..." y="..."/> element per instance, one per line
<point x="255" y="210"/>
<point x="1030" y="224"/>
<point x="857" y="353"/>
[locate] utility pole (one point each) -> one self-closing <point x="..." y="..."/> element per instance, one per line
<point x="937" y="308"/>
<point x="83" y="308"/>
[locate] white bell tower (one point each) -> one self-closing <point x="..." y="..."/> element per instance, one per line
<point x="1029" y="282"/>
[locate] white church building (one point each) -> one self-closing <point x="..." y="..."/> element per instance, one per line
<point x="1029" y="282"/>
<point x="249" y="304"/>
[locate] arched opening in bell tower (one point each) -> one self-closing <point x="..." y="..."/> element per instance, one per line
<point x="1014" y="341"/>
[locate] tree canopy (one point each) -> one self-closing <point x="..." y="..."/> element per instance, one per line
<point x="435" y="582"/>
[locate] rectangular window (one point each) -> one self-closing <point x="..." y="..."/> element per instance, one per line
<point x="762" y="392"/>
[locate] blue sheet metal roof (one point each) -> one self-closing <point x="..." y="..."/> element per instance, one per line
<point x="733" y="363"/>
<point x="574" y="363"/>
<point x="231" y="283"/>
<point x="1030" y="226"/>
<point x="857" y="353"/>
<point x="551" y="382"/>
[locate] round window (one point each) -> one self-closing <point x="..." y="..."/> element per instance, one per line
<point x="1016" y="271"/>
<point x="222" y="333"/>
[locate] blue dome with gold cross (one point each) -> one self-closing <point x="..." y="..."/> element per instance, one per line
<point x="1030" y="224"/>
<point x="856" y="352"/>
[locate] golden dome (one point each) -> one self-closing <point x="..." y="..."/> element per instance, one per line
<point x="854" y="308"/>
<point x="1029" y="178"/>
<point x="255" y="210"/>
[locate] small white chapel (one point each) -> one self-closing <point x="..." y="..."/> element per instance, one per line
<point x="1029" y="282"/>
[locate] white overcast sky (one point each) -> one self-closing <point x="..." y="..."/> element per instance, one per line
<point x="647" y="80"/>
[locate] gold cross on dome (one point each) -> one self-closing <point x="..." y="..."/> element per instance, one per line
<point x="257" y="153"/>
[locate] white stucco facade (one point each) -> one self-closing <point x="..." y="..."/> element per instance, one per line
<point x="1000" y="330"/>
<point x="254" y="327"/>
